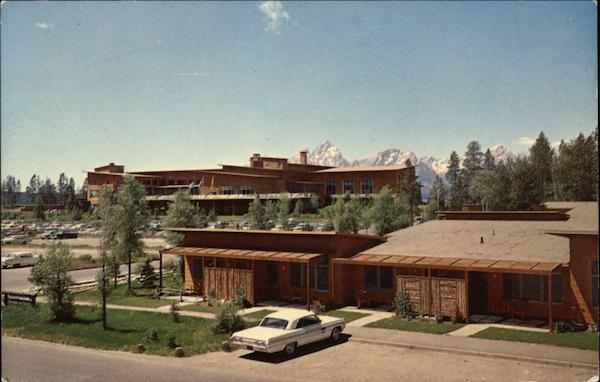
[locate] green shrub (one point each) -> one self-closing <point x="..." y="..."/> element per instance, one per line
<point x="171" y="341"/>
<point x="402" y="305"/>
<point x="228" y="319"/>
<point x="316" y="307"/>
<point x="174" y="312"/>
<point x="86" y="258"/>
<point x="151" y="335"/>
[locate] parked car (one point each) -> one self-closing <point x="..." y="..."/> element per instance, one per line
<point x="18" y="259"/>
<point x="288" y="329"/>
<point x="64" y="235"/>
<point x="221" y="224"/>
<point x="270" y="224"/>
<point x="245" y="225"/>
<point x="157" y="226"/>
<point x="303" y="227"/>
<point x="16" y="239"/>
<point x="46" y="235"/>
<point x="278" y="227"/>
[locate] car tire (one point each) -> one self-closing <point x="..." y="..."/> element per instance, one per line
<point x="335" y="334"/>
<point x="290" y="349"/>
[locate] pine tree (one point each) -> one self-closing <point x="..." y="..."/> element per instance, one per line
<point x="542" y="157"/>
<point x="472" y="164"/>
<point x="283" y="210"/>
<point x="39" y="209"/>
<point x="438" y="193"/>
<point x="523" y="192"/>
<point x="298" y="209"/>
<point x="256" y="214"/>
<point x="389" y="213"/>
<point x="411" y="189"/>
<point x="576" y="169"/>
<point x="455" y="180"/>
<point x="489" y="163"/>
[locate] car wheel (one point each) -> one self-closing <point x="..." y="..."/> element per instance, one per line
<point x="335" y="334"/>
<point x="290" y="349"/>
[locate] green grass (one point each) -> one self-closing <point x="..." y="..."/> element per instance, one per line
<point x="348" y="316"/>
<point x="258" y="315"/>
<point x="202" y="307"/>
<point x="580" y="340"/>
<point x="126" y="330"/>
<point x="119" y="296"/>
<point x="415" y="326"/>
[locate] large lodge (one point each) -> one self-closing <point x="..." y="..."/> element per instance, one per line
<point x="230" y="189"/>
<point x="528" y="265"/>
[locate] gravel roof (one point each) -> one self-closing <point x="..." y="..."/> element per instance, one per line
<point x="502" y="240"/>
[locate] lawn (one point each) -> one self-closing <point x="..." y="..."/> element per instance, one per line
<point x="119" y="296"/>
<point x="202" y="307"/>
<point x="580" y="340"/>
<point x="415" y="326"/>
<point x="348" y="316"/>
<point x="258" y="315"/>
<point x="126" y="330"/>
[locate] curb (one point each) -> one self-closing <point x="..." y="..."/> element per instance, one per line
<point x="551" y="362"/>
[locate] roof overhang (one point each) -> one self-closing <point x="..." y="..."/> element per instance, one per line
<point x="567" y="233"/>
<point x="244" y="254"/>
<point x="451" y="263"/>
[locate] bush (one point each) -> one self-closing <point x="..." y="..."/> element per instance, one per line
<point x="171" y="341"/>
<point x="316" y="307"/>
<point x="228" y="319"/>
<point x="240" y="297"/>
<point x="174" y="312"/>
<point x="147" y="275"/>
<point x="151" y="335"/>
<point x="86" y="258"/>
<point x="402" y="305"/>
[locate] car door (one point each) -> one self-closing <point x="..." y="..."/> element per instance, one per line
<point x="311" y="329"/>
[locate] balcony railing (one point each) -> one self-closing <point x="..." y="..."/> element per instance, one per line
<point x="270" y="196"/>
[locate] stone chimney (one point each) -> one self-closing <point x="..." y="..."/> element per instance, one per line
<point x="304" y="157"/>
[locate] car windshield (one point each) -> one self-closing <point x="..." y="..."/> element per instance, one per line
<point x="271" y="322"/>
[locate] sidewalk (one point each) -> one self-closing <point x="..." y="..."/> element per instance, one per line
<point x="526" y="352"/>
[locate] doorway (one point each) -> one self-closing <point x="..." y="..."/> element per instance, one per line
<point x="478" y="293"/>
<point x="272" y="281"/>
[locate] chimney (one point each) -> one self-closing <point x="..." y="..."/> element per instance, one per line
<point x="303" y="157"/>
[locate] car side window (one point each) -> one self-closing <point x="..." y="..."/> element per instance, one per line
<point x="307" y="321"/>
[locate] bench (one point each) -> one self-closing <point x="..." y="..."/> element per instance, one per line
<point x="8" y="297"/>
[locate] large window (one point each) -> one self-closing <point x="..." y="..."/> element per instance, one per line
<point x="366" y="186"/>
<point x="531" y="287"/>
<point x="594" y="283"/>
<point x="378" y="277"/>
<point x="247" y="189"/>
<point x="348" y="186"/>
<point x="330" y="187"/>
<point x="318" y="277"/>
<point x="197" y="268"/>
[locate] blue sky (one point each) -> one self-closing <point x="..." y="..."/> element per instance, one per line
<point x="159" y="85"/>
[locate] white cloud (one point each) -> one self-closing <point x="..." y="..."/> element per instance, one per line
<point x="274" y="14"/>
<point x="44" y="25"/>
<point x="555" y="144"/>
<point x="526" y="141"/>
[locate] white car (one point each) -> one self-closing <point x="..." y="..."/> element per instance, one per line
<point x="16" y="239"/>
<point x="18" y="259"/>
<point x="288" y="329"/>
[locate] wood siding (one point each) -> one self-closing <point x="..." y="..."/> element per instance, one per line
<point x="444" y="297"/>
<point x="225" y="281"/>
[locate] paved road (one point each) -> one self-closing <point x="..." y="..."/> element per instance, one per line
<point x="24" y="360"/>
<point x="16" y="279"/>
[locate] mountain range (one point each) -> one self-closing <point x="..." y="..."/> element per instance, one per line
<point x="427" y="167"/>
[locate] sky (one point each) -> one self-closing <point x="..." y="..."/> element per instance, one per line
<point x="184" y="85"/>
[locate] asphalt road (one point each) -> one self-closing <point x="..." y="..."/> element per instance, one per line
<point x="24" y="360"/>
<point x="16" y="279"/>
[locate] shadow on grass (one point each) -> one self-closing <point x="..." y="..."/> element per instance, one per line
<point x="300" y="352"/>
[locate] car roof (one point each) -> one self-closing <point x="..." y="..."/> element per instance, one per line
<point x="290" y="314"/>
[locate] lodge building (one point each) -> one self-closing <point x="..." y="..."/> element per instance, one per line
<point x="529" y="264"/>
<point x="230" y="189"/>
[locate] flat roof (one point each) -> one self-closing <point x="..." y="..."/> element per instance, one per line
<point x="265" y="232"/>
<point x="245" y="254"/>
<point x="502" y="239"/>
<point x="121" y="174"/>
<point x="358" y="169"/>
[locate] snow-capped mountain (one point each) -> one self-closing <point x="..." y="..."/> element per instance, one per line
<point x="426" y="168"/>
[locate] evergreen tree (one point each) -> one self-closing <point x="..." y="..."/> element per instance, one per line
<point x="455" y="180"/>
<point x="389" y="213"/>
<point x="10" y="187"/>
<point x="542" y="157"/>
<point x="48" y="192"/>
<point x="472" y="164"/>
<point x="489" y="163"/>
<point x="39" y="209"/>
<point x="298" y="209"/>
<point x="411" y="189"/>
<point x="283" y="210"/>
<point x="438" y="193"/>
<point x="256" y="214"/>
<point x="576" y="169"/>
<point x="61" y="186"/>
<point x="271" y="210"/>
<point x="131" y="216"/>
<point x="523" y="192"/>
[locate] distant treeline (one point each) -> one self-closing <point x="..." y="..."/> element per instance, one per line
<point x="47" y="191"/>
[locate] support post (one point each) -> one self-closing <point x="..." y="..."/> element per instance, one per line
<point x="467" y="296"/>
<point x="430" y="291"/>
<point x="160" y="270"/>
<point x="307" y="286"/>
<point x="550" y="301"/>
<point x="253" y="289"/>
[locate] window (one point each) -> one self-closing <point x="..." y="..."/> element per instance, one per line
<point x="209" y="262"/>
<point x="330" y="187"/>
<point x="197" y="268"/>
<point x="313" y="188"/>
<point x="171" y="182"/>
<point x="348" y="186"/>
<point x="378" y="277"/>
<point x="307" y="321"/>
<point x="366" y="186"/>
<point x="297" y="275"/>
<point x="227" y="190"/>
<point x="322" y="276"/>
<point x="161" y="182"/>
<point x="247" y="189"/>
<point x="242" y="264"/>
<point x="221" y="263"/>
<point x="594" y="283"/>
<point x="531" y="287"/>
